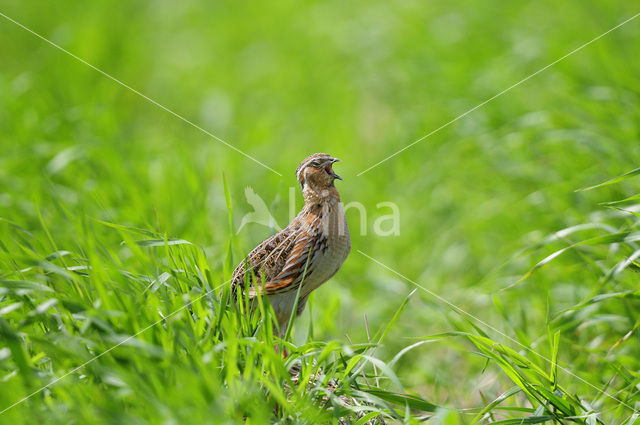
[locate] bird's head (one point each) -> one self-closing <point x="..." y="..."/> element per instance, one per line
<point x="316" y="172"/>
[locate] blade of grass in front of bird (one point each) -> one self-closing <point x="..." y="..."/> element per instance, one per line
<point x="310" y="310"/>
<point x="294" y="309"/>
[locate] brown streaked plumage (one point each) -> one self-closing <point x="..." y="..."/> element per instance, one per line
<point x="317" y="240"/>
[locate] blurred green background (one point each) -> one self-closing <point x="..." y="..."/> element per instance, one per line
<point x="359" y="80"/>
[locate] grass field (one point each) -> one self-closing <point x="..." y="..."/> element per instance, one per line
<point x="507" y="297"/>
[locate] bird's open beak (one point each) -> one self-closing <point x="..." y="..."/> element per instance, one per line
<point x="329" y="169"/>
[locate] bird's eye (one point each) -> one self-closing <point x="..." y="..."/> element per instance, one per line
<point x="315" y="163"/>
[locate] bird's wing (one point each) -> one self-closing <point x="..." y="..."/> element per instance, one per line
<point x="297" y="265"/>
<point x="265" y="261"/>
<point x="280" y="263"/>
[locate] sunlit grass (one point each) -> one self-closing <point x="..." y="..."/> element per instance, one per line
<point x="119" y="220"/>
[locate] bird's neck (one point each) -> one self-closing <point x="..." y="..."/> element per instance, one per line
<point x="314" y="195"/>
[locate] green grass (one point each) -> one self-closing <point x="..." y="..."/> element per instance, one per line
<point x="116" y="215"/>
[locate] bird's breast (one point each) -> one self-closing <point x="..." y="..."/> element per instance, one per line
<point x="333" y="247"/>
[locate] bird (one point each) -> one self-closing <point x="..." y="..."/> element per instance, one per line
<point x="289" y="265"/>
